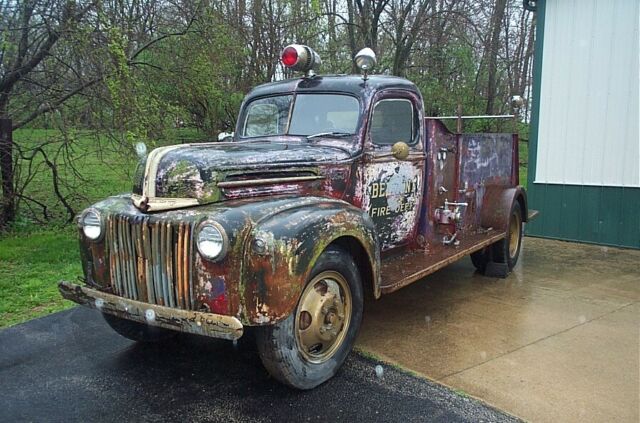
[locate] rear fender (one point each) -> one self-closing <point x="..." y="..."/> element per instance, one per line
<point x="497" y="203"/>
<point x="283" y="248"/>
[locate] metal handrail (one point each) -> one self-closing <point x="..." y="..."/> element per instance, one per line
<point x="472" y="117"/>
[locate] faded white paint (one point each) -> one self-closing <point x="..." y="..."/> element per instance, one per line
<point x="153" y="204"/>
<point x="395" y="187"/>
<point x="589" y="121"/>
<point x="151" y="169"/>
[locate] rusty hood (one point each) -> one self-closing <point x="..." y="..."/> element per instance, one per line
<point x="191" y="174"/>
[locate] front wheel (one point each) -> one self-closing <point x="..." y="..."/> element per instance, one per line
<point x="307" y="348"/>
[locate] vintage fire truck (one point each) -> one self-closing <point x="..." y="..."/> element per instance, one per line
<point x="332" y="188"/>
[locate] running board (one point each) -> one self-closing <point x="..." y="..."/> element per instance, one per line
<point x="401" y="270"/>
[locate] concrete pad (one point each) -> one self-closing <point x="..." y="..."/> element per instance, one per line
<point x="558" y="340"/>
<point x="574" y="376"/>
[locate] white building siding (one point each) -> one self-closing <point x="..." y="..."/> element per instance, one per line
<point x="589" y="121"/>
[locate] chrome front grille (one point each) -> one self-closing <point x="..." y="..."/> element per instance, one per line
<point x="151" y="262"/>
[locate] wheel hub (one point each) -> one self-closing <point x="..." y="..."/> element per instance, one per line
<point x="323" y="316"/>
<point x="514" y="234"/>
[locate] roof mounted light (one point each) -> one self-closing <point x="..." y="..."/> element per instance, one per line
<point x="300" y="58"/>
<point x="365" y="61"/>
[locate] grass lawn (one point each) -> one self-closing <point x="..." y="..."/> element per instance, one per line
<point x="33" y="256"/>
<point x="33" y="261"/>
<point x="523" y="149"/>
<point x="92" y="167"/>
<point x="32" y="265"/>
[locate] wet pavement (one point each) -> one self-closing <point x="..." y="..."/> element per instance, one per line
<point x="71" y="366"/>
<point x="558" y="340"/>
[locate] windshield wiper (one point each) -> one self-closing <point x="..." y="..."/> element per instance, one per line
<point x="332" y="134"/>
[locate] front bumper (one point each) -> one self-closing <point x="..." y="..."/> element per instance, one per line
<point x="198" y="323"/>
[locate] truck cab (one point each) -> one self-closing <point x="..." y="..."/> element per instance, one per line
<point x="331" y="187"/>
<point x="357" y="122"/>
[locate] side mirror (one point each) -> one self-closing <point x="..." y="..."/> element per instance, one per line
<point x="225" y="137"/>
<point x="400" y="150"/>
<point x="141" y="150"/>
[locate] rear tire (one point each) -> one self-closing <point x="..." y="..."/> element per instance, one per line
<point x="481" y="258"/>
<point x="507" y="250"/>
<point x="138" y="331"/>
<point x="308" y="347"/>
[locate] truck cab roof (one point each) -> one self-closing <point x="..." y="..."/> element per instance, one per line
<point x="351" y="84"/>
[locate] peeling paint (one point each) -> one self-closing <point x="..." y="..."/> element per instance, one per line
<point x="282" y="200"/>
<point x="392" y="191"/>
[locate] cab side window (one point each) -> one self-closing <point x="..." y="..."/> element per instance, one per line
<point x="392" y="121"/>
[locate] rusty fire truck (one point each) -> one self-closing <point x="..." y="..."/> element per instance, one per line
<point x="332" y="187"/>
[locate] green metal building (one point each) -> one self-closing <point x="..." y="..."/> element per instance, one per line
<point x="584" y="153"/>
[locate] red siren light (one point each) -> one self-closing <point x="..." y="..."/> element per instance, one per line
<point x="301" y="58"/>
<point x="289" y="56"/>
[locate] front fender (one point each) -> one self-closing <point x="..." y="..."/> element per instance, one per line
<point x="283" y="248"/>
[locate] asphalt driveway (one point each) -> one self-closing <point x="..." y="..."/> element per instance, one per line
<point x="70" y="366"/>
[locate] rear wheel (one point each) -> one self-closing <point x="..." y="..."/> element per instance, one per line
<point x="507" y="250"/>
<point x="308" y="347"/>
<point x="481" y="258"/>
<point x="138" y="331"/>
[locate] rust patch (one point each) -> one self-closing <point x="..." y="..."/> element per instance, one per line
<point x="282" y="200"/>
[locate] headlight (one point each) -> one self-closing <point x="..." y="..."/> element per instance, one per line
<point x="212" y="241"/>
<point x="91" y="224"/>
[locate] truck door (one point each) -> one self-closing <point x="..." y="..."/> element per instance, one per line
<point x="392" y="187"/>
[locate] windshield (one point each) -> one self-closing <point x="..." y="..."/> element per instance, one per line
<point x="304" y="114"/>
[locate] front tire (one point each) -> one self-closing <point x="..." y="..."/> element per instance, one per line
<point x="308" y="347"/>
<point x="138" y="331"/>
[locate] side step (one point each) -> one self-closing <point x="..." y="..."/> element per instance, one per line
<point x="400" y="270"/>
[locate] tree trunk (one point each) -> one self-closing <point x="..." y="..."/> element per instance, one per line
<point x="524" y="79"/>
<point x="351" y="32"/>
<point x="8" y="203"/>
<point x="494" y="44"/>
